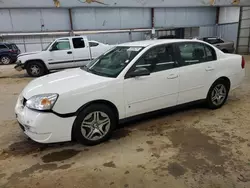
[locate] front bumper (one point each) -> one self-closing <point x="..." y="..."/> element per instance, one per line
<point x="44" y="127"/>
<point x="19" y="66"/>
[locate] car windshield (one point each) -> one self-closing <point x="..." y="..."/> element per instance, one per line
<point x="45" y="49"/>
<point x="112" y="62"/>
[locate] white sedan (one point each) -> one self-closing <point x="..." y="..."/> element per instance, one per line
<point x="131" y="79"/>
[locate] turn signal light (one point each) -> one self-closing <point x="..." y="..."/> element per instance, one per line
<point x="45" y="102"/>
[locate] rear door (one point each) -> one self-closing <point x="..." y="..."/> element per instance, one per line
<point x="81" y="51"/>
<point x="60" y="55"/>
<point x="197" y="70"/>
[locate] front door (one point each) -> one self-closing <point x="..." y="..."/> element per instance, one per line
<point x="60" y="55"/>
<point x="196" y="62"/>
<point x="159" y="89"/>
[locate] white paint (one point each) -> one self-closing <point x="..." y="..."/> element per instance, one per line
<point x="229" y="15"/>
<point x="131" y="96"/>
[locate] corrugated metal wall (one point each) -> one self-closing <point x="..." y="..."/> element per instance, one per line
<point x="243" y="46"/>
<point x="207" y="31"/>
<point x="228" y="32"/>
<point x="111" y="18"/>
<point x="28" y="20"/>
<point x="37" y="20"/>
<point x="120" y="3"/>
<point x="185" y="17"/>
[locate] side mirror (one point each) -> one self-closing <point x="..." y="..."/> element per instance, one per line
<point x="141" y="71"/>
<point x="52" y="49"/>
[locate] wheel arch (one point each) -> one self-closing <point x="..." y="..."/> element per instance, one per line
<point x="226" y="79"/>
<point x="221" y="78"/>
<point x="34" y="60"/>
<point x="100" y="101"/>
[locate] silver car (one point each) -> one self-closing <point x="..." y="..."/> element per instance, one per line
<point x="223" y="45"/>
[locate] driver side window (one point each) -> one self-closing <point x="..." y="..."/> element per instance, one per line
<point x="61" y="45"/>
<point x="158" y="59"/>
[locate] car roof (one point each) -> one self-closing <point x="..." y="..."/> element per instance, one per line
<point x="146" y="43"/>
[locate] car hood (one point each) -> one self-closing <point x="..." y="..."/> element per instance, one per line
<point x="71" y="80"/>
<point x="29" y="53"/>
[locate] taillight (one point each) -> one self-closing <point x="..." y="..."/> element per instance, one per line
<point x="243" y="63"/>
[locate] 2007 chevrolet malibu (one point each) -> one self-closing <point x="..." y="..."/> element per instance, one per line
<point x="131" y="79"/>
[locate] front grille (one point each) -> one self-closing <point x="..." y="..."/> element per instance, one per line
<point x="24" y="101"/>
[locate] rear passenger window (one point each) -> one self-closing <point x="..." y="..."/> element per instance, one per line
<point x="78" y="42"/>
<point x="210" y="52"/>
<point x="191" y="53"/>
<point x="158" y="59"/>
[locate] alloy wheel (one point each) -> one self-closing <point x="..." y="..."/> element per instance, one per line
<point x="95" y="126"/>
<point x="219" y="94"/>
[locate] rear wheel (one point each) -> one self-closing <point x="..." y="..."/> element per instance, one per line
<point x="36" y="69"/>
<point x="5" y="60"/>
<point x="94" y="125"/>
<point x="218" y="94"/>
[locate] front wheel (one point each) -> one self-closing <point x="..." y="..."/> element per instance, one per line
<point x="218" y="94"/>
<point x="94" y="125"/>
<point x="35" y="69"/>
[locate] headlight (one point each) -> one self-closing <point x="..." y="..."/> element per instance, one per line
<point x="42" y="102"/>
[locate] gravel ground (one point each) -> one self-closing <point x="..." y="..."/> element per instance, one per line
<point x="192" y="147"/>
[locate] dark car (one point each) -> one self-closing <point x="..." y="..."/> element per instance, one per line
<point x="8" y="53"/>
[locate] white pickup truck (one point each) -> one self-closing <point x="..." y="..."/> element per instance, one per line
<point x="62" y="53"/>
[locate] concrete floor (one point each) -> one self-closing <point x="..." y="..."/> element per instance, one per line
<point x="193" y="147"/>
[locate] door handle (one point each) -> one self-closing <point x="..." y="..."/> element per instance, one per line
<point x="209" y="68"/>
<point x="69" y="52"/>
<point x="173" y="76"/>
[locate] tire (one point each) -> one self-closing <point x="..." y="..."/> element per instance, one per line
<point x="218" y="94"/>
<point x="5" y="60"/>
<point x="35" y="69"/>
<point x="88" y="131"/>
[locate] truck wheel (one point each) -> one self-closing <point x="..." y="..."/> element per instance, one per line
<point x="5" y="60"/>
<point x="36" y="69"/>
<point x="94" y="125"/>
